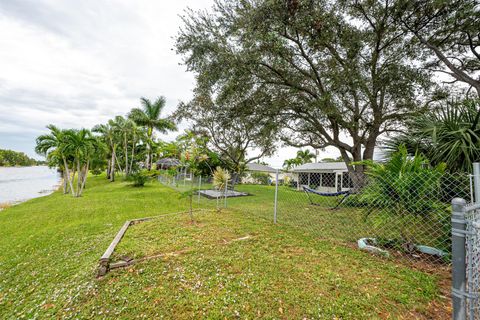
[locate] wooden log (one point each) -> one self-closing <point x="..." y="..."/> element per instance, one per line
<point x="106" y="256"/>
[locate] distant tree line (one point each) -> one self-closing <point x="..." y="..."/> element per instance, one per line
<point x="10" y="158"/>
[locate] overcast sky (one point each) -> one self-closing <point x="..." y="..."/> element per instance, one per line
<point x="79" y="63"/>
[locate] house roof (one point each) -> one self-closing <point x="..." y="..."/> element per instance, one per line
<point x="260" y="167"/>
<point x="171" y="162"/>
<point x="321" y="167"/>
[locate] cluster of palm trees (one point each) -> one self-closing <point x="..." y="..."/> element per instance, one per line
<point x="72" y="151"/>
<point x="303" y="156"/>
<point x="123" y="144"/>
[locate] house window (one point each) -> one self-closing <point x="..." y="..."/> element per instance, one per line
<point x="346" y="180"/>
<point x="328" y="180"/>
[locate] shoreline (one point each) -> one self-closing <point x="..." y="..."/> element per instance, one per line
<point x="22" y="183"/>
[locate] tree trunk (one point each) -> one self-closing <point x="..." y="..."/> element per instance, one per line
<point x="148" y="165"/>
<point x="64" y="183"/>
<point x="112" y="168"/>
<point x="133" y="155"/>
<point x="68" y="175"/>
<point x="235" y="176"/>
<point x="108" y="168"/>
<point x="79" y="178"/>
<point x="84" y="179"/>
<point x="126" y="152"/>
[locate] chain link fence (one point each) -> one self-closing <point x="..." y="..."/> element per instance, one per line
<point x="472" y="258"/>
<point x="466" y="266"/>
<point x="406" y="216"/>
<point x="403" y="215"/>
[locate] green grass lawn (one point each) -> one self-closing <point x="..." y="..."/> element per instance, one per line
<point x="50" y="248"/>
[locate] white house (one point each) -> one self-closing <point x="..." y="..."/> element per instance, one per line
<point x="323" y="176"/>
<point x="258" y="168"/>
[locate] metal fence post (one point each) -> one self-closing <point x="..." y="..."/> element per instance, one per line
<point x="476" y="182"/>
<point x="199" y="187"/>
<point x="226" y="191"/>
<point x="458" y="259"/>
<point x="276" y="198"/>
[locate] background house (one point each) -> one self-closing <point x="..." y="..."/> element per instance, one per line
<point x="322" y="176"/>
<point x="257" y="173"/>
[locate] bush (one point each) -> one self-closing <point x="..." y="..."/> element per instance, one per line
<point x="220" y="178"/>
<point x="261" y="178"/>
<point x="405" y="185"/>
<point x="139" y="178"/>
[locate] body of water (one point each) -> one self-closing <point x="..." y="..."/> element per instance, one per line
<point x="22" y="183"/>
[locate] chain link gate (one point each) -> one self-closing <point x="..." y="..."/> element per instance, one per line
<point x="465" y="260"/>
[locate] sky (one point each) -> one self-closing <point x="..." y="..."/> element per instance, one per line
<point x="79" y="63"/>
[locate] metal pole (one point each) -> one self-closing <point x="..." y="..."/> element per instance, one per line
<point x="226" y="190"/>
<point x="199" y="187"/>
<point x="476" y="181"/>
<point x="276" y="197"/>
<point x="458" y="259"/>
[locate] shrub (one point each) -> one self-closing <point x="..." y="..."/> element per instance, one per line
<point x="405" y="185"/>
<point x="261" y="178"/>
<point x="220" y="178"/>
<point x="139" y="178"/>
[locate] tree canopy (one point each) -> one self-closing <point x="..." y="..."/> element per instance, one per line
<point x="238" y="136"/>
<point x="336" y="73"/>
<point x="449" y="32"/>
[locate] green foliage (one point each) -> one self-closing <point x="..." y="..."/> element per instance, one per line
<point x="318" y="70"/>
<point x="149" y="117"/>
<point x="10" y="158"/>
<point x="404" y="184"/>
<point x="72" y="151"/>
<point x="141" y="177"/>
<point x="261" y="178"/>
<point x="220" y="178"/>
<point x="303" y="156"/>
<point x="230" y="128"/>
<point x="447" y="31"/>
<point x="448" y="134"/>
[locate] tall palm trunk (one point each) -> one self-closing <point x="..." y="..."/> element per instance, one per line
<point x="112" y="167"/>
<point x="148" y="156"/>
<point x="133" y="154"/>
<point x="125" y="146"/>
<point x="109" y="165"/>
<point x="149" y="148"/>
<point x="84" y="178"/>
<point x="79" y="178"/>
<point x="68" y="174"/>
<point x="65" y="182"/>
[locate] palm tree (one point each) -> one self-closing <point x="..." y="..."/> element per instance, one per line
<point x="51" y="146"/>
<point x="305" y="156"/>
<point x="82" y="145"/>
<point x="450" y="134"/>
<point x="291" y="163"/>
<point x="108" y="133"/>
<point x="149" y="117"/>
<point x="124" y="132"/>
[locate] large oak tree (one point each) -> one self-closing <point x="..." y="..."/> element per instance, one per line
<point x="338" y="73"/>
